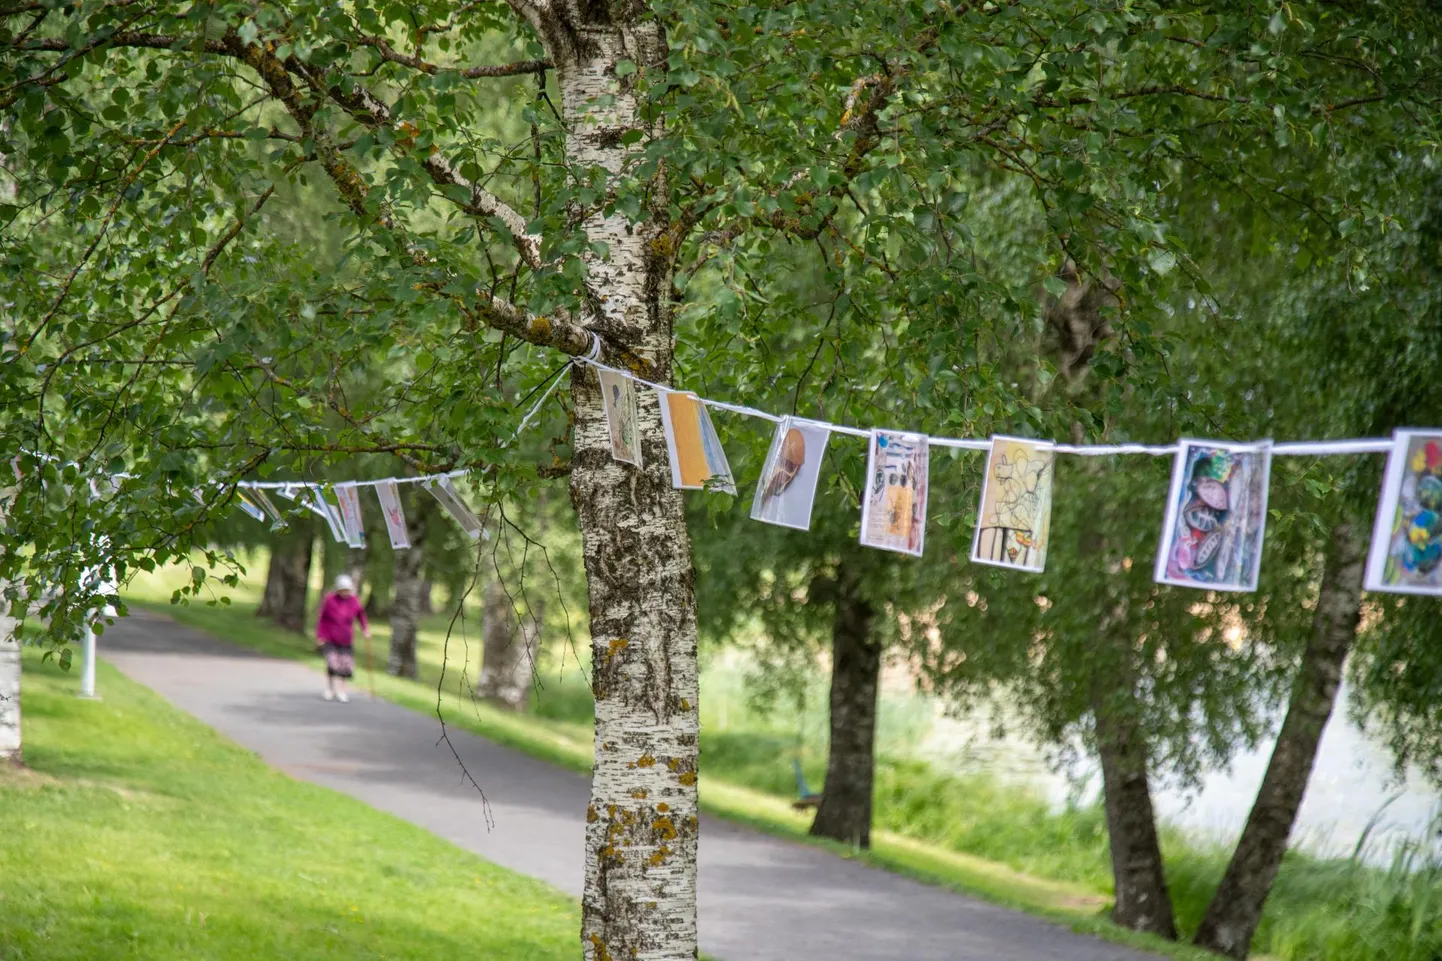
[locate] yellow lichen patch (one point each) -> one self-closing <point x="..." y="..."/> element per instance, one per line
<point x="658" y="857"/>
<point x="685" y="704"/>
<point x="665" y="827"/>
<point x="688" y="779"/>
<point x="615" y="647"/>
<point x="674" y="765"/>
<point x="600" y="947"/>
<point x="591" y="816"/>
<point x="540" y="326"/>
<point x="663" y="807"/>
<point x="640" y="794"/>
<point x="645" y="760"/>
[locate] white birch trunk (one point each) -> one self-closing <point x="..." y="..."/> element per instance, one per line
<point x="640" y="892"/>
<point x="9" y="642"/>
<point x="9" y="687"/>
<point x="10" y="741"/>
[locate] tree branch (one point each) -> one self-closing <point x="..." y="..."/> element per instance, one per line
<point x="391" y="55"/>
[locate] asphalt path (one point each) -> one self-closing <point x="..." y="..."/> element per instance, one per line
<point x="761" y="898"/>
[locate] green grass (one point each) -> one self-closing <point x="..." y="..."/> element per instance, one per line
<point x="139" y="833"/>
<point x="970" y="832"/>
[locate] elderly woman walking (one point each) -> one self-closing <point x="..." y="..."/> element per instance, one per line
<point x="334" y="635"/>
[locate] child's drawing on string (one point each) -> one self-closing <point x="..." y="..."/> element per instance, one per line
<point x="1216" y="515"/>
<point x="1014" y="520"/>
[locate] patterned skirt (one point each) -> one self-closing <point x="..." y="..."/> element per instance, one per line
<point x="339" y="660"/>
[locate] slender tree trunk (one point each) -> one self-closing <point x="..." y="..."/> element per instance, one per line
<point x="1142" y="900"/>
<point x="287" y="579"/>
<point x="639" y="899"/>
<point x="356" y="561"/>
<point x="1139" y="878"/>
<point x="845" y="810"/>
<point x="427" y="597"/>
<point x="511" y="646"/>
<point x="10" y="740"/>
<point x="1236" y="909"/>
<point x="406" y="610"/>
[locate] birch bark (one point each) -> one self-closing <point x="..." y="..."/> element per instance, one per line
<point x="641" y="825"/>
<point x="10" y="741"/>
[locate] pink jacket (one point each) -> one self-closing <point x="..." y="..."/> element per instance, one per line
<point x="337" y="614"/>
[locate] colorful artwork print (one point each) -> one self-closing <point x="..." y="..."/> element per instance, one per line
<point x="619" y="395"/>
<point x="389" y="494"/>
<point x="1406" y="552"/>
<point x="787" y="488"/>
<point x="1013" y="524"/>
<point x="1216" y="516"/>
<point x="449" y="498"/>
<point x="893" y="511"/>
<point x="350" y="515"/>
<point x="698" y="461"/>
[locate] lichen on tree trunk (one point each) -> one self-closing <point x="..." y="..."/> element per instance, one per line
<point x="1236" y="908"/>
<point x="845" y="810"/>
<point x="639" y="900"/>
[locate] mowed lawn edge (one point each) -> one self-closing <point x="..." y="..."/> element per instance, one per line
<point x="135" y="831"/>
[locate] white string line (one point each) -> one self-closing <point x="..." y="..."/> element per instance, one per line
<point x="1296" y="448"/>
<point x="1380" y="445"/>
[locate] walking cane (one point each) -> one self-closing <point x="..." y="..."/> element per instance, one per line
<point x="370" y="668"/>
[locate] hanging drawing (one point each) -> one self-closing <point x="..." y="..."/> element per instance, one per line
<point x="698" y="461"/>
<point x="1216" y="516"/>
<point x="1406" y="552"/>
<point x="389" y="494"/>
<point x="247" y="505"/>
<point x="446" y="494"/>
<point x="618" y="392"/>
<point x="350" y="515"/>
<point x="277" y="521"/>
<point x="1013" y="524"/>
<point x="328" y="513"/>
<point x="893" y="510"/>
<point x="787" y="488"/>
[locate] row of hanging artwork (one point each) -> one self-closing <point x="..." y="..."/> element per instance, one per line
<point x="343" y="515"/>
<point x="1212" y="534"/>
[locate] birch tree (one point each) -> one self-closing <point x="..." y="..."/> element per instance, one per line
<point x="648" y="164"/>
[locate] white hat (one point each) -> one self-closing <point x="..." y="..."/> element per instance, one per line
<point x="344" y="583"/>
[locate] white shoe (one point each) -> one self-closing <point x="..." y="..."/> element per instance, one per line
<point x="342" y="697"/>
<point x="329" y="694"/>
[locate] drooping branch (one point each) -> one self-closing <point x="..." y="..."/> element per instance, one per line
<point x="391" y="55"/>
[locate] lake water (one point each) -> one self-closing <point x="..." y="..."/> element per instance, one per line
<point x="1353" y="784"/>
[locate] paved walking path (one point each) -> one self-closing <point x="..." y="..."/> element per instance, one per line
<point x="761" y="898"/>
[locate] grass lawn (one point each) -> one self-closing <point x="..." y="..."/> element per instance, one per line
<point x="137" y="832"/>
<point x="970" y="832"/>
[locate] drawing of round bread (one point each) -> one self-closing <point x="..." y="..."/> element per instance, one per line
<point x="789" y="461"/>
